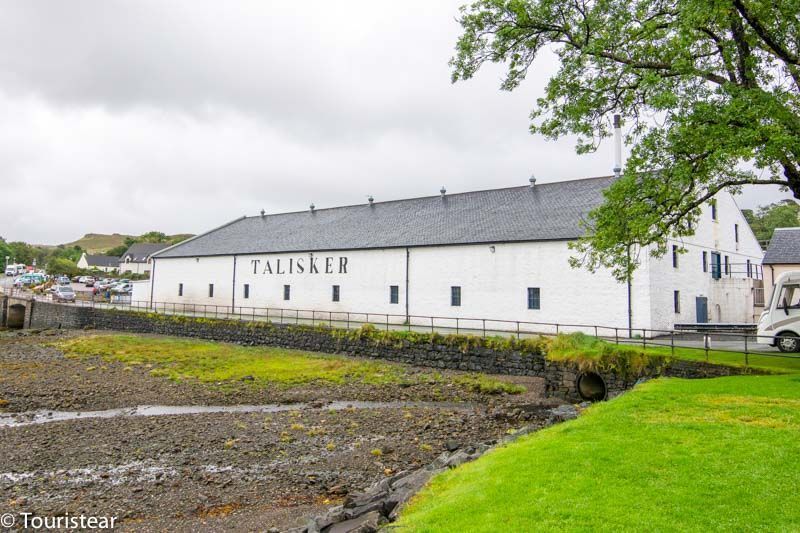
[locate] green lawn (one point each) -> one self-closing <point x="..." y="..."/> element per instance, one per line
<point x="672" y="455"/>
<point x="579" y="346"/>
<point x="181" y="358"/>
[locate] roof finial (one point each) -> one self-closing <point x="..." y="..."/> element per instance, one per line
<point x="311" y="207"/>
<point x="263" y="213"/>
<point x="532" y="180"/>
<point x="370" y="199"/>
<point x="443" y="191"/>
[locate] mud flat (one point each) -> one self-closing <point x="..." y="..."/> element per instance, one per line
<point x="94" y="437"/>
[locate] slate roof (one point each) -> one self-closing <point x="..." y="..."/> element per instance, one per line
<point x="140" y="252"/>
<point x="102" y="261"/>
<point x="548" y="211"/>
<point x="784" y="247"/>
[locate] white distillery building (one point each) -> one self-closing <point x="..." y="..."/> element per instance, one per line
<point x="495" y="254"/>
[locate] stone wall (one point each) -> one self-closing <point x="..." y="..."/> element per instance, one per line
<point x="439" y="352"/>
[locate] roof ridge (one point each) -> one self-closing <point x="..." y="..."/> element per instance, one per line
<point x="462" y="193"/>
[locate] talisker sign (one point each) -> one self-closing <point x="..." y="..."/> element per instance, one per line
<point x="301" y="265"/>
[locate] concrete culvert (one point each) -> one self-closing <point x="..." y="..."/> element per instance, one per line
<point x="592" y="387"/>
<point x="16" y="316"/>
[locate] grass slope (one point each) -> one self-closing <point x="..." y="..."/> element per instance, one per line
<point x="580" y="347"/>
<point x="181" y="358"/>
<point x="673" y="455"/>
<point x="95" y="243"/>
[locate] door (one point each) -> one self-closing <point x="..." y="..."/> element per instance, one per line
<point x="701" y="306"/>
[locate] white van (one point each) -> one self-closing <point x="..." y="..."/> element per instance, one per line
<point x="15" y="270"/>
<point x="779" y="324"/>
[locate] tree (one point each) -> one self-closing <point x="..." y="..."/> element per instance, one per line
<point x="707" y="85"/>
<point x="768" y="217"/>
<point x="61" y="265"/>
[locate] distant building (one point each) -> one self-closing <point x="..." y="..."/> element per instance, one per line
<point x="138" y="258"/>
<point x="105" y="263"/>
<point x="783" y="255"/>
<point x="495" y="254"/>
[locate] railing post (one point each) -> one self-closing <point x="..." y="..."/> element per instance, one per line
<point x="348" y="320"/>
<point x="746" y="355"/>
<point x="387" y="321"/>
<point x="431" y="324"/>
<point x="644" y="339"/>
<point x="616" y="335"/>
<point x="484" y="328"/>
<point x="595" y="331"/>
<point x="518" y="329"/>
<point x="672" y="343"/>
<point x="456" y="325"/>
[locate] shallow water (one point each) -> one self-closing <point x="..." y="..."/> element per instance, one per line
<point x="45" y="416"/>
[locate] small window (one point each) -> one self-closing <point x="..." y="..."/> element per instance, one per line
<point x="749" y="269"/>
<point x="287" y="291"/>
<point x="705" y="261"/>
<point x="714" y="209"/>
<point x="533" y="298"/>
<point x="736" y="232"/>
<point x="455" y="296"/>
<point x="210" y="290"/>
<point x="676" y="301"/>
<point x="727" y="266"/>
<point x="394" y="294"/>
<point x="335" y="293"/>
<point x="180" y="289"/>
<point x="247" y="290"/>
<point x="674" y="256"/>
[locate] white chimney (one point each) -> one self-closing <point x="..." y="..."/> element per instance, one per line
<point x="617" y="146"/>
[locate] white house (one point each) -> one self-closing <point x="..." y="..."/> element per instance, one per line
<point x="138" y="258"/>
<point x="105" y="263"/>
<point x="495" y="254"/>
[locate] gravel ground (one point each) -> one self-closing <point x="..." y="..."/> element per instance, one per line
<point x="214" y="471"/>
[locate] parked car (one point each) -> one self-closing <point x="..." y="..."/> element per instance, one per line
<point x="11" y="270"/>
<point x="28" y="280"/>
<point x="122" y="288"/>
<point x="103" y="285"/>
<point x="63" y="280"/>
<point x="63" y="293"/>
<point x="89" y="281"/>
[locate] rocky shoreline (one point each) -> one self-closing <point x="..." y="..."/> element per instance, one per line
<point x="240" y="471"/>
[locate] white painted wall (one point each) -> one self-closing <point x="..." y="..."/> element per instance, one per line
<point x="730" y="299"/>
<point x="84" y="263"/>
<point x="493" y="284"/>
<point x="135" y="267"/>
<point x="493" y="278"/>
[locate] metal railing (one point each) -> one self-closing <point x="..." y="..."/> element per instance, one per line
<point x="703" y="342"/>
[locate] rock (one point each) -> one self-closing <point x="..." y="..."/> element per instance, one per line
<point x="333" y="516"/>
<point x="452" y="445"/>
<point x="367" y="523"/>
<point x="458" y="459"/>
<point x="563" y="413"/>
<point x="247" y="378"/>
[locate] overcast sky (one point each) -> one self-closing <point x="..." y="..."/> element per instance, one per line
<point x="178" y="116"/>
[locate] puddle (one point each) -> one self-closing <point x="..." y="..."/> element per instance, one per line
<point x="44" y="417"/>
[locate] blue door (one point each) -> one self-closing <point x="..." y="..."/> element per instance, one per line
<point x="701" y="305"/>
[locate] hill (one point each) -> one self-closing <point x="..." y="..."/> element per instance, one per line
<point x="99" y="243"/>
<point x="95" y="243"/>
